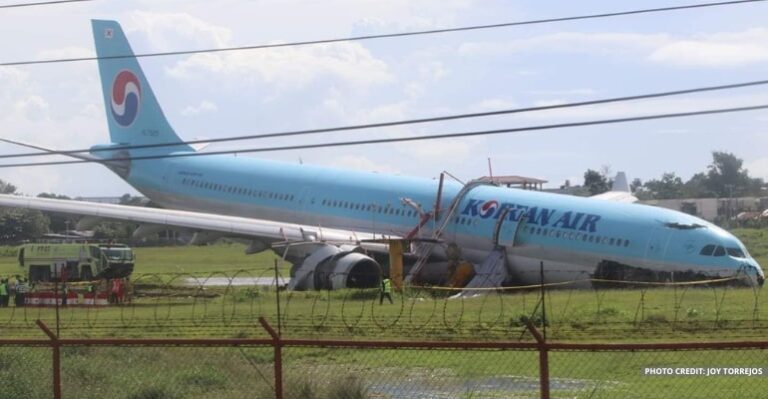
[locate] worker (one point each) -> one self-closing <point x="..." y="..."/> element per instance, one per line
<point x="21" y="291"/>
<point x="386" y="290"/>
<point x="117" y="291"/>
<point x="4" y="293"/>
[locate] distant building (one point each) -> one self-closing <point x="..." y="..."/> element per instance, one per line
<point x="713" y="209"/>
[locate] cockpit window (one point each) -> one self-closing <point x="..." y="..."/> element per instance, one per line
<point x="735" y="252"/>
<point x="719" y="251"/>
<point x="707" y="250"/>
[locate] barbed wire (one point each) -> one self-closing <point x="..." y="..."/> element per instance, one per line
<point x="230" y="301"/>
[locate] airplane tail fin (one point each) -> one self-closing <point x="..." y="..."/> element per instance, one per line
<point x="620" y="183"/>
<point x="133" y="113"/>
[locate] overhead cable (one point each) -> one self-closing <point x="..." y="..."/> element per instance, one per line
<point x="392" y="35"/>
<point x="400" y="122"/>
<point x="406" y="139"/>
<point x="41" y="3"/>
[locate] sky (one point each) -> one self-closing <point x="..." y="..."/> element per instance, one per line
<point x="305" y="87"/>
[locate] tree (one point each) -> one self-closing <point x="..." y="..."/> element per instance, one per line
<point x="636" y="184"/>
<point x="669" y="186"/>
<point x="7" y="188"/>
<point x="595" y="182"/>
<point x="17" y="225"/>
<point x="727" y="177"/>
<point x="696" y="187"/>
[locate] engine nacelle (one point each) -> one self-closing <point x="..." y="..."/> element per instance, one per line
<point x="331" y="268"/>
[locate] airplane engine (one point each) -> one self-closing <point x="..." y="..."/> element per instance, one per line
<point x="330" y="268"/>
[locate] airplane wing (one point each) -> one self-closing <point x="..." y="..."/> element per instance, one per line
<point x="266" y="230"/>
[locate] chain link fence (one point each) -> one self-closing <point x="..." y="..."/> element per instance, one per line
<point x="278" y="367"/>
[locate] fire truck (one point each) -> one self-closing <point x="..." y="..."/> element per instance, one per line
<point x="75" y="262"/>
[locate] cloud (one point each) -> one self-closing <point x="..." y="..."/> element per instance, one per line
<point x="203" y="107"/>
<point x="568" y="42"/>
<point x="290" y="68"/>
<point x="725" y="49"/>
<point x="66" y="52"/>
<point x="442" y="151"/>
<point x="716" y="50"/>
<point x="360" y="162"/>
<point x="494" y="104"/>
<point x="167" y="30"/>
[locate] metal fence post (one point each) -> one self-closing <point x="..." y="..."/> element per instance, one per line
<point x="543" y="360"/>
<point x="278" y="345"/>
<point x="55" y="345"/>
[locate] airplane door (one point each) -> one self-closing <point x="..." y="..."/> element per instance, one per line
<point x="506" y="230"/>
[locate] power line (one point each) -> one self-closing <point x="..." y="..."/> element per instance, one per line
<point x="400" y="122"/>
<point x="392" y="35"/>
<point x="41" y="3"/>
<point x="406" y="139"/>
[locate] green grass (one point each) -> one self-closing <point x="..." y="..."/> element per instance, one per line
<point x="165" y="307"/>
<point x="195" y="260"/>
<point x="175" y="310"/>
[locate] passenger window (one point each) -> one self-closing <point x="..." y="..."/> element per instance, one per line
<point x="719" y="251"/>
<point x="707" y="250"/>
<point x="735" y="252"/>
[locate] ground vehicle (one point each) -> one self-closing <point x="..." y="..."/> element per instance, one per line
<point x="75" y="262"/>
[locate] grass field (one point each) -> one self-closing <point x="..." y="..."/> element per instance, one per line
<point x="165" y="306"/>
<point x="171" y="309"/>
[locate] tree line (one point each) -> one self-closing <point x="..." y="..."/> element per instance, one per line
<point x="724" y="177"/>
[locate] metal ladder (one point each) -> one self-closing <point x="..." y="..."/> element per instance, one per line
<point x="424" y="249"/>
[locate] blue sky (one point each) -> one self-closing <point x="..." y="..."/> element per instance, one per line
<point x="249" y="92"/>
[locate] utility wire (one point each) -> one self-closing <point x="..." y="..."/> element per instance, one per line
<point x="398" y="123"/>
<point x="41" y="3"/>
<point x="391" y="35"/>
<point x="406" y="139"/>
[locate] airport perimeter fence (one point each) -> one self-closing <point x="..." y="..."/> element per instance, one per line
<point x="277" y="367"/>
<point x="228" y="304"/>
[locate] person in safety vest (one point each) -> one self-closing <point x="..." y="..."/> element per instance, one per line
<point x="386" y="290"/>
<point x="4" y="293"/>
<point x="21" y="291"/>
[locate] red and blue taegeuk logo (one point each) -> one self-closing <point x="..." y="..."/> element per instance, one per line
<point x="488" y="208"/>
<point x="126" y="97"/>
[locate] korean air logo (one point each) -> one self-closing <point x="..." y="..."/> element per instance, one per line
<point x="488" y="209"/>
<point x="126" y="98"/>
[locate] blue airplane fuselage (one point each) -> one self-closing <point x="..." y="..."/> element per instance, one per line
<point x="575" y="237"/>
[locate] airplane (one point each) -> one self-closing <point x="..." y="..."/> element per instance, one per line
<point x="336" y="226"/>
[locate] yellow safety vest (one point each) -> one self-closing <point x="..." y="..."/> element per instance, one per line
<point x="387" y="286"/>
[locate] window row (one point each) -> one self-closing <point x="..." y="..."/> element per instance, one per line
<point x="373" y="208"/>
<point x="577" y="236"/>
<point x="224" y="188"/>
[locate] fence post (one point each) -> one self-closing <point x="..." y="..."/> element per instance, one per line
<point x="543" y="360"/>
<point x="278" y="345"/>
<point x="56" y="358"/>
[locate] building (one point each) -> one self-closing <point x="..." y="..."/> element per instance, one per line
<point x="526" y="183"/>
